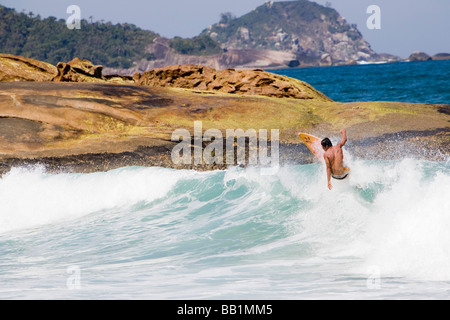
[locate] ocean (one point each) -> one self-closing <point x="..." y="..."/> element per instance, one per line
<point x="416" y="82"/>
<point x="157" y="233"/>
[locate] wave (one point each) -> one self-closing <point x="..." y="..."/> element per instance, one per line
<point x="389" y="215"/>
<point x="394" y="216"/>
<point x="31" y="197"/>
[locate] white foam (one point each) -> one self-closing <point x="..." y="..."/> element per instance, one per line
<point x="408" y="233"/>
<point x="403" y="231"/>
<point x="31" y="197"/>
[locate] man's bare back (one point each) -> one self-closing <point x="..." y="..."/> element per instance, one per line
<point x="334" y="159"/>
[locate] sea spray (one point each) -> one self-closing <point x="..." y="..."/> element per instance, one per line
<point x="408" y="234"/>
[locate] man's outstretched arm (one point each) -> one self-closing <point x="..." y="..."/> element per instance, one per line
<point x="327" y="162"/>
<point x="344" y="138"/>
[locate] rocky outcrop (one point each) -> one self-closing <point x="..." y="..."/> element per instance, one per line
<point x="419" y="56"/>
<point x="17" y="68"/>
<point x="301" y="27"/>
<point x="78" y="70"/>
<point x="89" y="127"/>
<point x="244" y="82"/>
<point x="195" y="77"/>
<point x="441" y="56"/>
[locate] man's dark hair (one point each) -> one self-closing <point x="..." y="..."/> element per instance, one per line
<point x="326" y="143"/>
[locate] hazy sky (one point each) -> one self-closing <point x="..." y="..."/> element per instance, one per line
<point x="406" y="25"/>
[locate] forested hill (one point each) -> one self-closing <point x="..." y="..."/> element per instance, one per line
<point x="116" y="46"/>
<point x="303" y="27"/>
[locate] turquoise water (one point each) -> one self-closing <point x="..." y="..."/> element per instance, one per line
<point x="154" y="233"/>
<point x="418" y="82"/>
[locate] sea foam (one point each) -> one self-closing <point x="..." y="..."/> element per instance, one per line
<point x="32" y="197"/>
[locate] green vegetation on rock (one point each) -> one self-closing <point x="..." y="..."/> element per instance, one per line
<point x="202" y="45"/>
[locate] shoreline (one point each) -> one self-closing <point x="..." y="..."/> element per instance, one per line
<point x="372" y="148"/>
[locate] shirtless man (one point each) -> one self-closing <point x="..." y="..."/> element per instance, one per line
<point x="334" y="159"/>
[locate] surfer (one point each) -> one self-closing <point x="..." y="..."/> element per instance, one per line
<point x="334" y="159"/>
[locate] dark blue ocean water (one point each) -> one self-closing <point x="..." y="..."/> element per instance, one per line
<point x="418" y="82"/>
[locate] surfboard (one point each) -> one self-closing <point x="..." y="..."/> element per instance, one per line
<point x="313" y="143"/>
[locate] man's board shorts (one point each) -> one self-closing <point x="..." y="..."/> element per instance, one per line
<point x="343" y="176"/>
